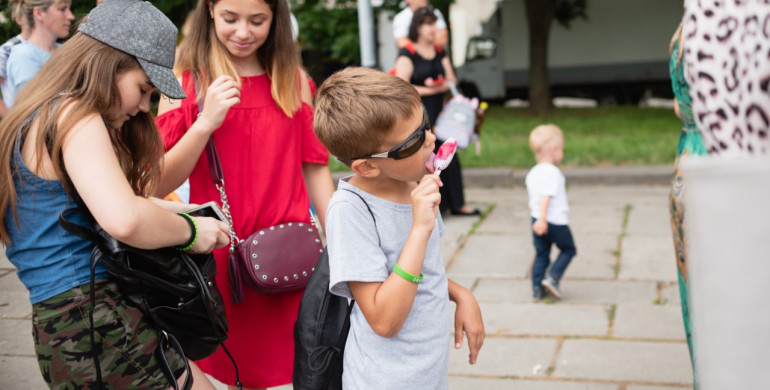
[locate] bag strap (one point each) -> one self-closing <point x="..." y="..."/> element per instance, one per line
<point x="379" y="242"/>
<point x="218" y="177"/>
<point x="217" y="174"/>
<point x="346" y="325"/>
<point x="321" y="357"/>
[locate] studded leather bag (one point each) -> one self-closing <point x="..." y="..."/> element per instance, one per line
<point x="272" y="260"/>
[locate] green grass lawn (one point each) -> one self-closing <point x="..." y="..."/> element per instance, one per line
<point x="603" y="136"/>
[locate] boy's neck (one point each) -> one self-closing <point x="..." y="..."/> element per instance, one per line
<point x="544" y="160"/>
<point x="388" y="189"/>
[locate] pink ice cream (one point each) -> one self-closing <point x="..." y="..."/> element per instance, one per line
<point x="444" y="155"/>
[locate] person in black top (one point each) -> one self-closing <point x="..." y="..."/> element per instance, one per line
<point x="426" y="66"/>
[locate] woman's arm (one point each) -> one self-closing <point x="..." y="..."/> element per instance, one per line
<point x="307" y="95"/>
<point x="172" y="206"/>
<point x="676" y="109"/>
<point x="95" y="172"/>
<point x="320" y="187"/>
<point x="448" y="70"/>
<point x="180" y="160"/>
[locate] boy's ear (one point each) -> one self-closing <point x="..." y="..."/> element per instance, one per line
<point x="365" y="168"/>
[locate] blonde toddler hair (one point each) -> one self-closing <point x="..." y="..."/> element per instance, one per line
<point x="543" y="135"/>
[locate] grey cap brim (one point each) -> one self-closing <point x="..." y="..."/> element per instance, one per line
<point x="163" y="78"/>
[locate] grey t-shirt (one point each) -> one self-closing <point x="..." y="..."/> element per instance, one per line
<point x="418" y="356"/>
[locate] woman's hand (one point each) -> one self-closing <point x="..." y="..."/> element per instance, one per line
<point x="212" y="234"/>
<point x="222" y="94"/>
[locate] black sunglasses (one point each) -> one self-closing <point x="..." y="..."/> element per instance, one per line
<point x="410" y="146"/>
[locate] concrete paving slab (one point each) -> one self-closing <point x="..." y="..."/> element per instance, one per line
<point x="16" y="338"/>
<point x="596" y="219"/>
<point x="455" y="231"/>
<point x="541" y="319"/>
<point x="9" y="281"/>
<point x="575" y="291"/>
<point x="507" y="218"/>
<point x="493" y="255"/>
<point x="21" y="373"/>
<point x="595" y="256"/>
<point x="503" y="290"/>
<point x="523" y="384"/>
<point x="600" y="291"/>
<point x="15" y="304"/>
<point x="656" y="362"/>
<point x="670" y="294"/>
<point x="650" y="219"/>
<point x="504" y="357"/>
<point x="4" y="262"/>
<point x="646" y="257"/>
<point x="648" y="321"/>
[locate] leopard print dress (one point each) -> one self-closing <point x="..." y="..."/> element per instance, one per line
<point x="727" y="58"/>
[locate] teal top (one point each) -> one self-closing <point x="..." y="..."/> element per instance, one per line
<point x="690" y="140"/>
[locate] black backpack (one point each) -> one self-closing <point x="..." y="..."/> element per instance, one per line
<point x="175" y="290"/>
<point x="321" y="331"/>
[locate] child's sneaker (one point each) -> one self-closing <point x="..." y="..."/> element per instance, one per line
<point x="552" y="286"/>
<point x="537" y="294"/>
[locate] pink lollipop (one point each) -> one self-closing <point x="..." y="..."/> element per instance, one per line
<point x="444" y="155"/>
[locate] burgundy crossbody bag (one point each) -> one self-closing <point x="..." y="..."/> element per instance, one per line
<point x="273" y="259"/>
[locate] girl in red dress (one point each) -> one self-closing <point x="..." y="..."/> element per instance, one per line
<point x="257" y="109"/>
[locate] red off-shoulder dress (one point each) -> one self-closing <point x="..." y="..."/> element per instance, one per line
<point x="262" y="151"/>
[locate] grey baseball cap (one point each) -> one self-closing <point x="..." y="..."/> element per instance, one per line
<point x="138" y="28"/>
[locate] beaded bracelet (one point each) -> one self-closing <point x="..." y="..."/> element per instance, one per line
<point x="406" y="275"/>
<point x="193" y="233"/>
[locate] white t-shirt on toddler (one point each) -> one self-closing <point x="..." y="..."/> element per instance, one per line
<point x="546" y="179"/>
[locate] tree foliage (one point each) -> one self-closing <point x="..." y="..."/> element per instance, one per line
<point x="568" y="10"/>
<point x="331" y="27"/>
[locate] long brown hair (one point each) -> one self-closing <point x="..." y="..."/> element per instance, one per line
<point x="202" y="53"/>
<point x="75" y="79"/>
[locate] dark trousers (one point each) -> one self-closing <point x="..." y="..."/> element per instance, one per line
<point x="562" y="237"/>
<point x="452" y="193"/>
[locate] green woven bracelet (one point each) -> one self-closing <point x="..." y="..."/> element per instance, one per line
<point x="194" y="236"/>
<point x="406" y="275"/>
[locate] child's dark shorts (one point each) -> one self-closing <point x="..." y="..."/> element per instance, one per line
<point x="60" y="327"/>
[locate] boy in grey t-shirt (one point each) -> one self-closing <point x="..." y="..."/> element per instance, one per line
<point x="389" y="260"/>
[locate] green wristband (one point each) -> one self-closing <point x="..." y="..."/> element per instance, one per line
<point x="193" y="233"/>
<point x="406" y="275"/>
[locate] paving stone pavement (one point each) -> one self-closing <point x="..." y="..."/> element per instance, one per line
<point x="618" y="326"/>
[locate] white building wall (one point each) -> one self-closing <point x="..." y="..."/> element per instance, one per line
<point x="466" y="18"/>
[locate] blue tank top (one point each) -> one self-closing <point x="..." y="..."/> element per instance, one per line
<point x="49" y="259"/>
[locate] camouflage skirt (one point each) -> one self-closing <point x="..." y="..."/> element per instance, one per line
<point x="128" y="342"/>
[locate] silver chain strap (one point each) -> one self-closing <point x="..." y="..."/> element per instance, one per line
<point x="234" y="241"/>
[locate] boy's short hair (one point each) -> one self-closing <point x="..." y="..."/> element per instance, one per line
<point x="356" y="108"/>
<point x="543" y="135"/>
